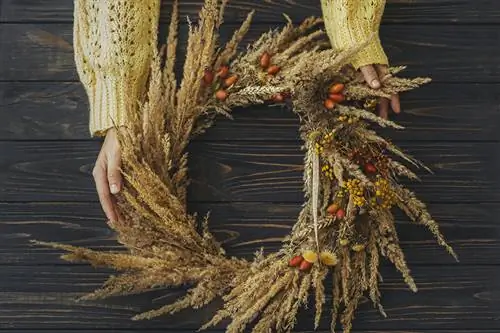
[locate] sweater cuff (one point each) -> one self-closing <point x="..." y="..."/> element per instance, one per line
<point x="111" y="101"/>
<point x="373" y="53"/>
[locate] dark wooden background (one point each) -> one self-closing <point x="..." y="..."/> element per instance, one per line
<point x="248" y="172"/>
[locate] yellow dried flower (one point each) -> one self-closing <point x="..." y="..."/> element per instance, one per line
<point x="310" y="256"/>
<point x="357" y="192"/>
<point x="328" y="258"/>
<point x="358" y="247"/>
<point x="385" y="195"/>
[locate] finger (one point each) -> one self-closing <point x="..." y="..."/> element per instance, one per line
<point x="395" y="103"/>
<point x="114" y="174"/>
<point x="371" y="77"/>
<point x="383" y="72"/>
<point x="102" y="186"/>
<point x="383" y="108"/>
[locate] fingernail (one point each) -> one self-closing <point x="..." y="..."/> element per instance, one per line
<point x="375" y="84"/>
<point x="114" y="189"/>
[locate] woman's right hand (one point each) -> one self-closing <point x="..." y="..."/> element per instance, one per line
<point x="374" y="76"/>
<point x="107" y="175"/>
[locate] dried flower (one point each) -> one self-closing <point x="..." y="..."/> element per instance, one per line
<point x="328" y="258"/>
<point x="310" y="256"/>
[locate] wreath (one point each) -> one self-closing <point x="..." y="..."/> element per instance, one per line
<point x="350" y="180"/>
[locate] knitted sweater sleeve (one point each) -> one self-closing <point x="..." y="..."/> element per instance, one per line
<point x="113" y="44"/>
<point x="351" y="22"/>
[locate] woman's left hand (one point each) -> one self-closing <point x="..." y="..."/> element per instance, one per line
<point x="374" y="76"/>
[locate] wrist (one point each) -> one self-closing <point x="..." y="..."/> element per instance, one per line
<point x="373" y="53"/>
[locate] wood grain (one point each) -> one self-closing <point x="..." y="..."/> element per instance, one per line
<point x="42" y="298"/>
<point x="243" y="228"/>
<point x="43" y="111"/>
<point x="240" y="171"/>
<point x="415" y="11"/>
<point x="59" y="111"/>
<point x="247" y="172"/>
<point x="251" y="172"/>
<point x="455" y="54"/>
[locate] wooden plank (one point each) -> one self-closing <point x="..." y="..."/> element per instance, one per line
<point x="243" y="228"/>
<point x="240" y="171"/>
<point x="415" y="11"/>
<point x="247" y="172"/>
<point x="450" y="297"/>
<point x="448" y="53"/>
<point x="43" y="111"/>
<point x="58" y="110"/>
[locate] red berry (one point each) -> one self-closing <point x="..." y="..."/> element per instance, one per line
<point x="265" y="60"/>
<point x="329" y="104"/>
<point x="230" y="80"/>
<point x="340" y="213"/>
<point x="332" y="209"/>
<point x="278" y="98"/>
<point x="337" y="98"/>
<point x="295" y="261"/>
<point x="223" y="71"/>
<point x="208" y="77"/>
<point x="305" y="266"/>
<point x="221" y="95"/>
<point x="336" y="88"/>
<point x="370" y="168"/>
<point x="273" y="70"/>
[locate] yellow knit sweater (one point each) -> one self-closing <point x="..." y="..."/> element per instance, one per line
<point x="114" y="42"/>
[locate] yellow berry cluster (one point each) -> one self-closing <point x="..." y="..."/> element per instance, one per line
<point x="341" y="192"/>
<point x="348" y="119"/>
<point x="385" y="197"/>
<point x="324" y="142"/>
<point x="319" y="148"/>
<point x="356" y="191"/>
<point x="370" y="104"/>
<point x="327" y="138"/>
<point x="327" y="171"/>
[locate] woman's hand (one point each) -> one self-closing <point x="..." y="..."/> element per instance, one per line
<point x="107" y="176"/>
<point x="375" y="75"/>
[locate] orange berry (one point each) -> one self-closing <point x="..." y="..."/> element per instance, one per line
<point x="370" y="168"/>
<point x="265" y="60"/>
<point x="332" y="209"/>
<point x="273" y="70"/>
<point x="338" y="98"/>
<point x="278" y="98"/>
<point x="208" y="77"/>
<point x="329" y="104"/>
<point x="336" y="88"/>
<point x="305" y="266"/>
<point x="230" y="80"/>
<point x="295" y="261"/>
<point x="223" y="71"/>
<point x="221" y="95"/>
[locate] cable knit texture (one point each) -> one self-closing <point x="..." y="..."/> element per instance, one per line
<point x="352" y="22"/>
<point x="114" y="42"/>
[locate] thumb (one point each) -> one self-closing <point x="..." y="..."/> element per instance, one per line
<point x="114" y="174"/>
<point x="371" y="76"/>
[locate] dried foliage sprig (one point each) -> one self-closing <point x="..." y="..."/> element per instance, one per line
<point x="350" y="181"/>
